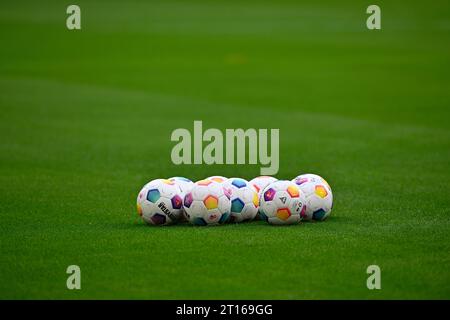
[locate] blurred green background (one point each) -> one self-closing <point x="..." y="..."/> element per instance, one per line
<point x="86" y="118"/>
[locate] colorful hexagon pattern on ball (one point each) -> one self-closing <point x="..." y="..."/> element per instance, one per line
<point x="153" y="195"/>
<point x="160" y="202"/>
<point x="211" y="202"/>
<point x="269" y="194"/>
<point x="244" y="199"/>
<point x="237" y="205"/>
<point x="293" y="191"/>
<point x="283" y="214"/>
<point x="188" y="199"/>
<point x="206" y="204"/>
<point x="177" y="202"/>
<point x="158" y="219"/>
<point x="321" y="191"/>
<point x="282" y="203"/>
<point x="219" y="179"/>
<point x="318" y="195"/>
<point x="204" y="182"/>
<point x="309" y="177"/>
<point x="239" y="183"/>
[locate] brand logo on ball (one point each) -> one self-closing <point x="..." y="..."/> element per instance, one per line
<point x="165" y="210"/>
<point x="298" y="205"/>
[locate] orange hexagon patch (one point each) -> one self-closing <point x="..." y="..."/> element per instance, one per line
<point x="293" y="191"/>
<point x="204" y="182"/>
<point x="139" y="209"/>
<point x="321" y="191"/>
<point x="283" y="214"/>
<point x="211" y="202"/>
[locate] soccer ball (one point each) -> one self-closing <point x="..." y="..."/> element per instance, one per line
<point x="282" y="202"/>
<point x="207" y="203"/>
<point x="319" y="197"/>
<point x="244" y="199"/>
<point x="160" y="202"/>
<point x="218" y="179"/>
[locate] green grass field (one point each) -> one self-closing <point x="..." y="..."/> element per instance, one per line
<point x="86" y="118"/>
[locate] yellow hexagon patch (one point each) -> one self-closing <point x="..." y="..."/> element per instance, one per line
<point x="211" y="202"/>
<point x="321" y="191"/>
<point x="293" y="191"/>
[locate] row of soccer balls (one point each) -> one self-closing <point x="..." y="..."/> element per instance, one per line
<point x="217" y="200"/>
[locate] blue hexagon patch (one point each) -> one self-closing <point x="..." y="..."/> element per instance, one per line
<point x="153" y="195"/>
<point x="262" y="216"/>
<point x="237" y="205"/>
<point x="224" y="217"/>
<point x="239" y="183"/>
<point x="199" y="222"/>
<point x="319" y="214"/>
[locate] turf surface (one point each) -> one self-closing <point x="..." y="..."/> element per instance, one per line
<point x="86" y="118"/>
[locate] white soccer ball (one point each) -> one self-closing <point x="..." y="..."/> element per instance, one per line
<point x="218" y="179"/>
<point x="207" y="203"/>
<point x="160" y="202"/>
<point x="319" y="197"/>
<point x="244" y="199"/>
<point x="282" y="202"/>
